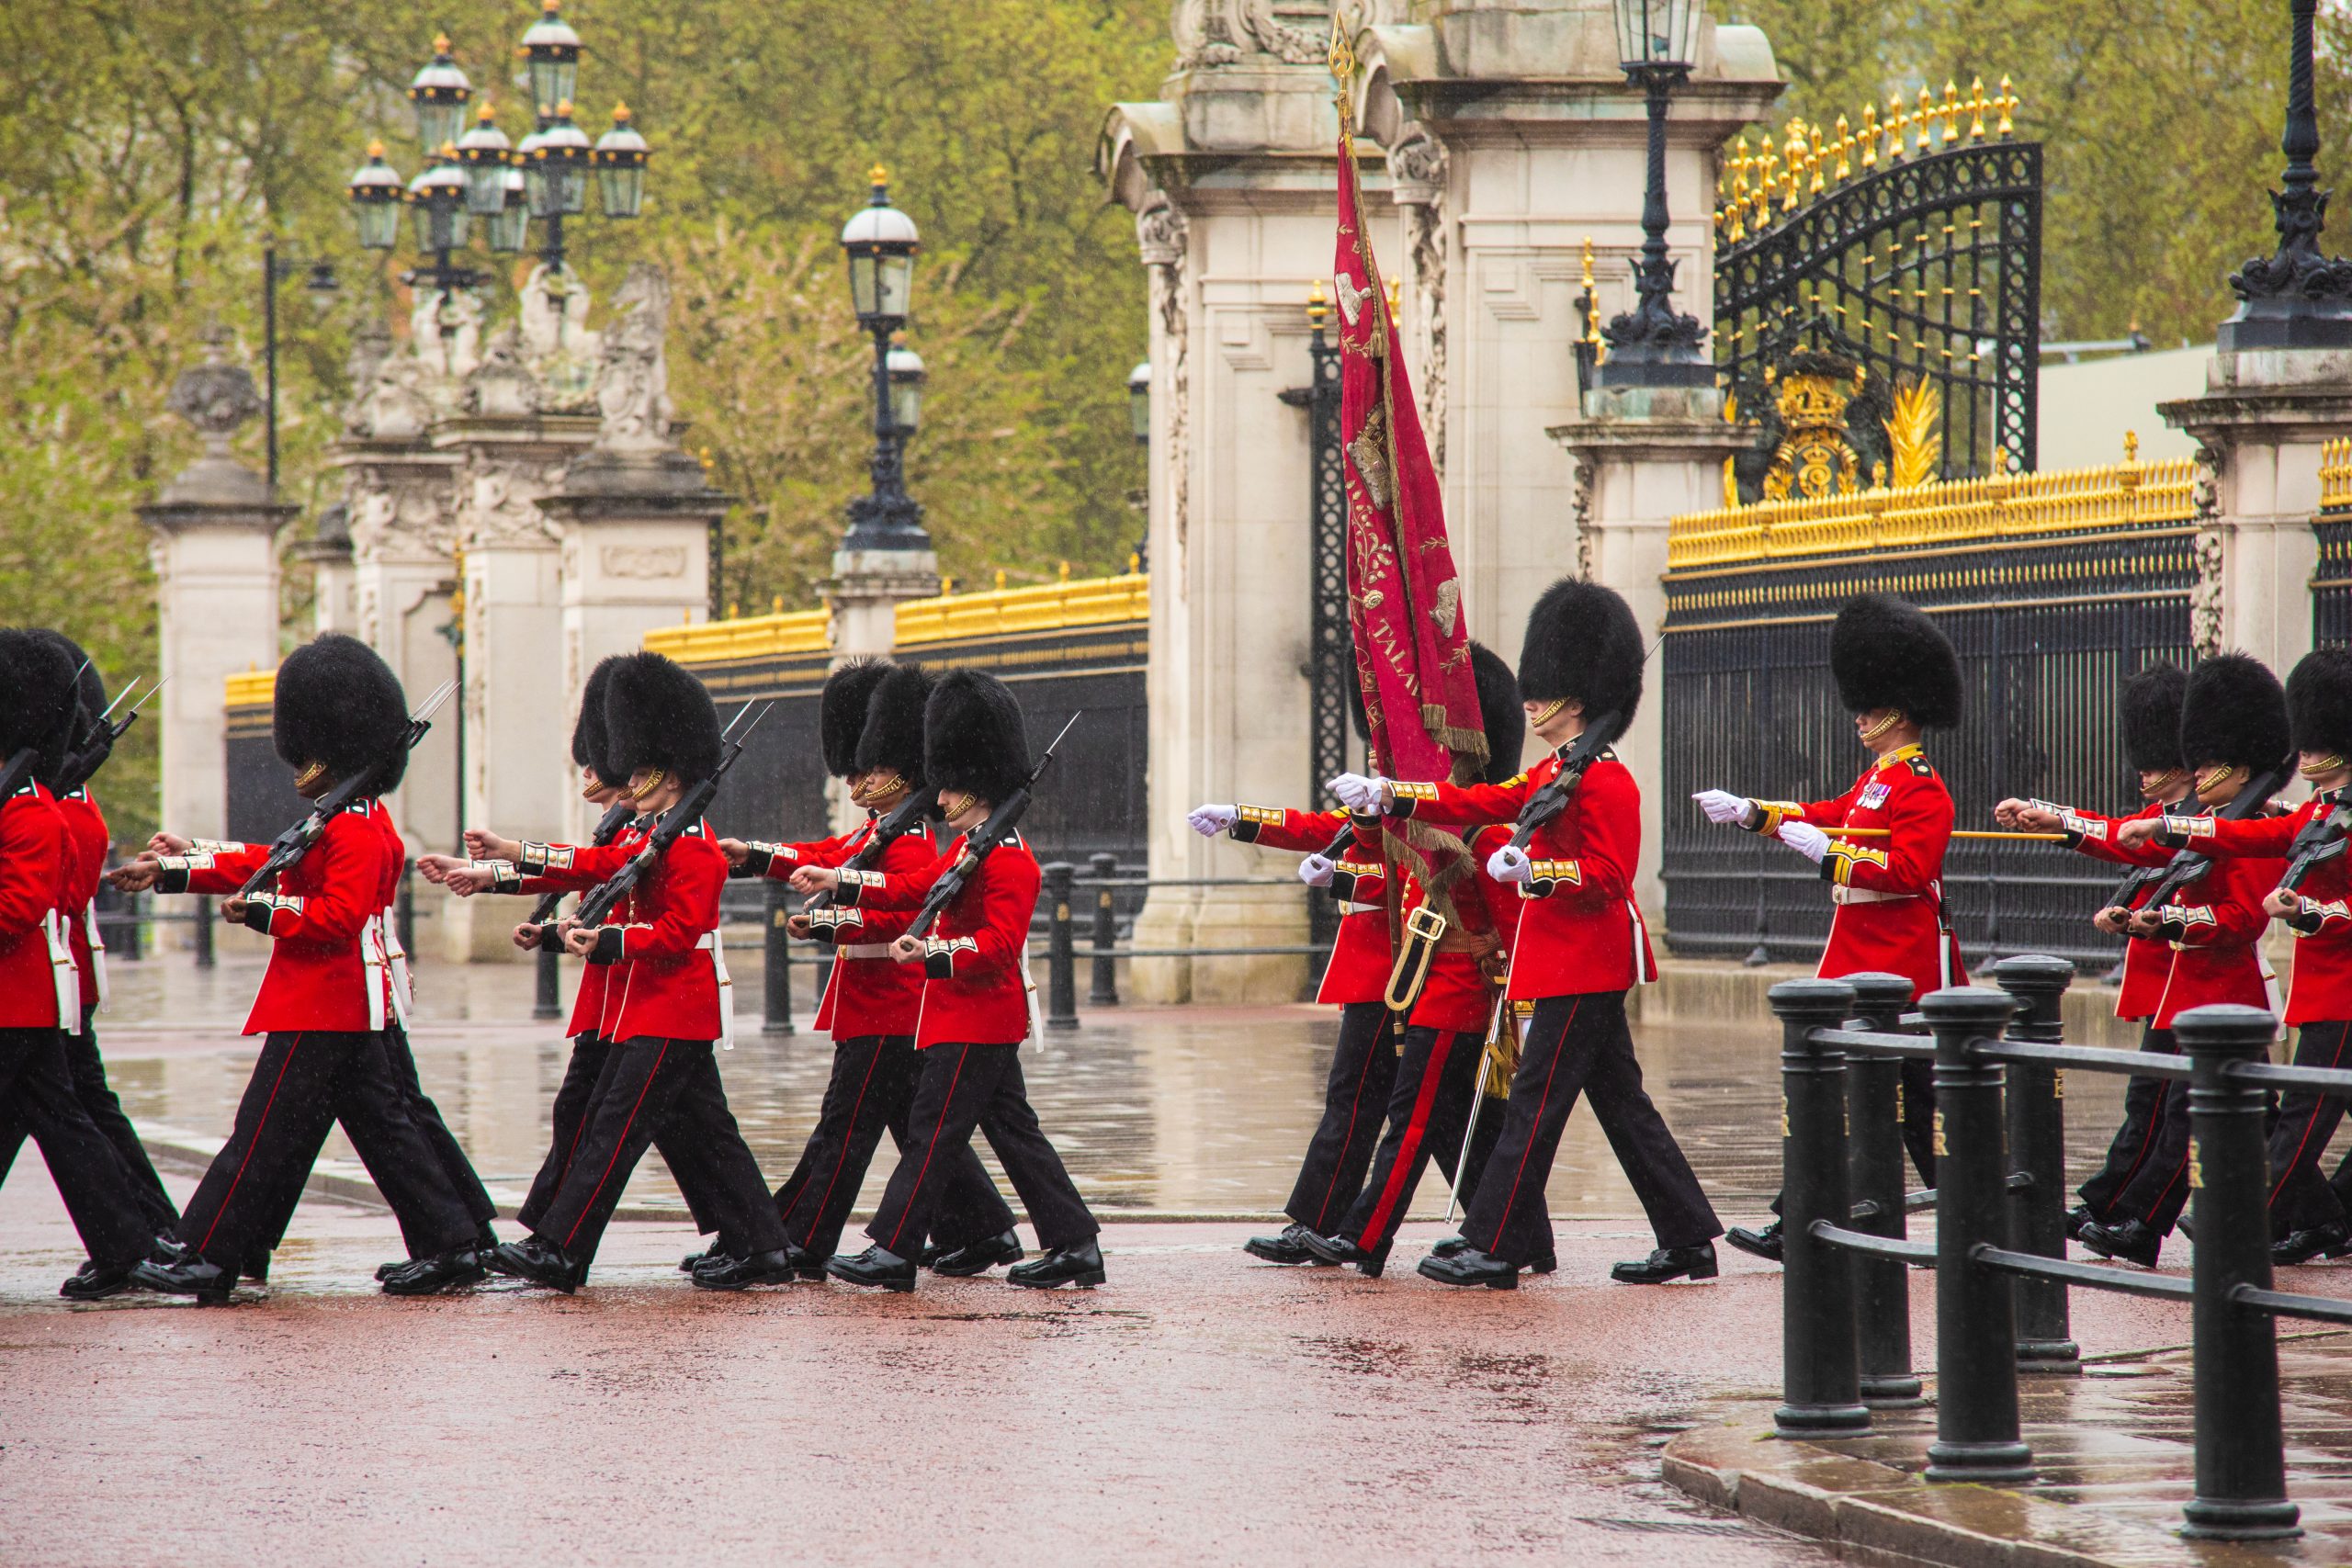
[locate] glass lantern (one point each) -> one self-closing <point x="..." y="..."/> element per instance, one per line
<point x="508" y="227"/>
<point x="903" y="367"/>
<point x="438" y="202"/>
<point x="881" y="242"/>
<point x="484" y="152"/>
<point x="559" y="157"/>
<point x="1658" y="32"/>
<point x="439" y="93"/>
<point x="550" y="58"/>
<point x="375" y="192"/>
<point x="621" y="156"/>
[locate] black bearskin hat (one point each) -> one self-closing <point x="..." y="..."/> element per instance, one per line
<point x="1583" y="643"/>
<point x="337" y="703"/>
<point x="974" y="740"/>
<point x="2233" y="713"/>
<point x="1499" y="711"/>
<point x="42" y="699"/>
<point x="1887" y="654"/>
<point x="658" y="716"/>
<point x="2319" y="702"/>
<point x="80" y="718"/>
<point x="841" y="712"/>
<point x="591" y="743"/>
<point x="2152" y="718"/>
<point x="892" y="738"/>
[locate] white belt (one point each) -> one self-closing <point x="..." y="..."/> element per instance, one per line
<point x="863" y="950"/>
<point x="371" y="958"/>
<point x="1347" y="908"/>
<point x="710" y="943"/>
<point x="1867" y="896"/>
<point x="67" y="977"/>
<point x="396" y="960"/>
<point x="97" y="947"/>
<point x="1029" y="988"/>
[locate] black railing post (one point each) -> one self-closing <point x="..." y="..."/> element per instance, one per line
<point x="404" y="910"/>
<point x="2036" y="1121"/>
<point x="2241" y="1462"/>
<point x="204" y="931"/>
<point x="1061" y="949"/>
<point x="775" y="952"/>
<point x="1874" y="1148"/>
<point x="1819" y="1379"/>
<point x="549" y="1001"/>
<point x="1976" y="1351"/>
<point x="1104" y="991"/>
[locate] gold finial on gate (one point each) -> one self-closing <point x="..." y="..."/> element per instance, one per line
<point x="1922" y="120"/>
<point x="1871" y="137"/>
<point x="2007" y="103"/>
<point x="1814" y="157"/>
<point x="1898" y="121"/>
<point x="1976" y="108"/>
<point x="1318" y="306"/>
<point x="1791" y="165"/>
<point x="1952" y="111"/>
<point x="1845" y="149"/>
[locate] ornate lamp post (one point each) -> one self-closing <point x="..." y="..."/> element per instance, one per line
<point x="1653" y="344"/>
<point x="2298" y="297"/>
<point x="880" y="242"/>
<point x="319" y="281"/>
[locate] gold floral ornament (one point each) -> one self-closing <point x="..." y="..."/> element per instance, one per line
<point x="1914" y="433"/>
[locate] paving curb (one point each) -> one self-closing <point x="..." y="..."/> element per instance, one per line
<point x="1871" y="1513"/>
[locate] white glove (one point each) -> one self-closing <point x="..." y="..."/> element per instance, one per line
<point x="1805" y="838"/>
<point x="1722" y="806"/>
<point x="1316" y="871"/>
<point x="1510" y="864"/>
<point x="1359" y="793"/>
<point x="1208" y="821"/>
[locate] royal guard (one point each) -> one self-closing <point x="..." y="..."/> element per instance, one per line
<point x="2235" y="736"/>
<point x="1581" y="944"/>
<point x="2151" y="712"/>
<point x="869" y="726"/>
<point x="324" y="1002"/>
<point x="1897" y="676"/>
<point x="87" y="843"/>
<point x="2313" y="898"/>
<point x="40" y="988"/>
<point x="665" y="1006"/>
<point x="977" y="1002"/>
<point x="1441" y="1073"/>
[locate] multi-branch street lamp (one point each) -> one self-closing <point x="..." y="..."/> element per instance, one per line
<point x="1653" y="344"/>
<point x="880" y="242"/>
<point x="319" y="280"/>
<point x="477" y="174"/>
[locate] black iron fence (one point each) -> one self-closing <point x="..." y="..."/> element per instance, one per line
<point x="2002" y="1274"/>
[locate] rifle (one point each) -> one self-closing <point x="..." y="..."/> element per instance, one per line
<point x="605" y="896"/>
<point x="82" y="765"/>
<point x="902" y="819"/>
<point x="2321" y="839"/>
<point x="1547" y="804"/>
<point x="984" y="840"/>
<point x="286" y="850"/>
<point x="617" y="815"/>
<point x="20" y="766"/>
<point x="2186" y="865"/>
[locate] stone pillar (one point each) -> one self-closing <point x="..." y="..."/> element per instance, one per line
<point x="335" y="592"/>
<point x="864" y="594"/>
<point x="215" y="551"/>
<point x="1642" y="456"/>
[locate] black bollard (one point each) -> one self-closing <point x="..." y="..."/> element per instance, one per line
<point x="2036" y="1121"/>
<point x="1061" y="949"/>
<point x="1819" y="1381"/>
<point x="1104" y="991"/>
<point x="2241" y="1461"/>
<point x="776" y="950"/>
<point x="1874" y="1160"/>
<point x="204" y="931"/>
<point x="1976" y="1365"/>
<point x="549" y="1001"/>
<point x="404" y="910"/>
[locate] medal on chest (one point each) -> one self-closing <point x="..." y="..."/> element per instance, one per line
<point x="1874" y="798"/>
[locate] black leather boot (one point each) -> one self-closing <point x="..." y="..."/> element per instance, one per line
<point x="1454" y="1245"/>
<point x="1288" y="1248"/>
<point x="1339" y="1249"/>
<point x="1471" y="1266"/>
<point x="450" y="1270"/>
<point x="540" y="1262"/>
<point x="94" y="1282"/>
<point x="875" y="1266"/>
<point x="1764" y="1244"/>
<point x="979" y="1257"/>
<point x="1079" y="1264"/>
<point x="2131" y="1241"/>
<point x="191" y="1275"/>
<point x="1668" y="1263"/>
<point x="2296" y="1246"/>
<point x="2076" y="1218"/>
<point x="772" y="1268"/>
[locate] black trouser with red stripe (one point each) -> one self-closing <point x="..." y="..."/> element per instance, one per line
<point x="427" y="1117"/>
<point x="873" y="1088"/>
<point x="653" y="1088"/>
<point x="1580" y="1045"/>
<point x="1429" y="1113"/>
<point x="572" y="1099"/>
<point x="88" y="1071"/>
<point x="2135" y="1140"/>
<point x="2301" y="1198"/>
<point x="303" y="1083"/>
<point x="37" y="1091"/>
<point x="1355" y="1096"/>
<point x="962" y="1087"/>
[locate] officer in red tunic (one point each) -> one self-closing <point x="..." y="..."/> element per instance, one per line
<point x="2307" y="1211"/>
<point x="1581" y="944"/>
<point x="2151" y="713"/>
<point x="87" y="840"/>
<point x="1441" y="1067"/>
<point x="869" y="725"/>
<point x="40" y="990"/>
<point x="323" y="1004"/>
<point x="1898" y="676"/>
<point x="977" y="1003"/>
<point x="2234" y="730"/>
<point x="666" y="1003"/>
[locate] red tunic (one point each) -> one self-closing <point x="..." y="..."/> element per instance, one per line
<point x="870" y="992"/>
<point x="86" y="828"/>
<point x="34" y="857"/>
<point x="318" y="914"/>
<point x="2147" y="960"/>
<point x="1579" y="929"/>
<point x="976" y="989"/>
<point x="2214" y="924"/>
<point x="1889" y="891"/>
<point x="1457" y="995"/>
<point x="588" y="1004"/>
<point x="666" y="969"/>
<point x="2320" y="989"/>
<point x="1361" y="960"/>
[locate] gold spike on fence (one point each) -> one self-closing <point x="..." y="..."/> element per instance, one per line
<point x="2336" y="475"/>
<point x="1756" y="188"/>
